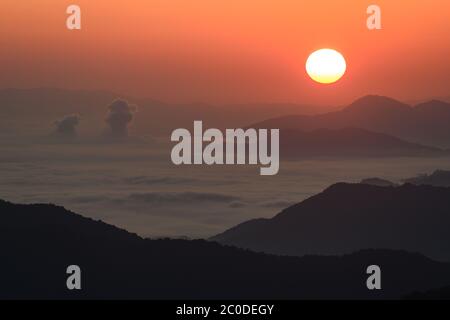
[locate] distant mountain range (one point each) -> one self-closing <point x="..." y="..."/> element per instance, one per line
<point x="378" y="182"/>
<point x="372" y="126"/>
<point x="349" y="142"/>
<point x="38" y="108"/>
<point x="38" y="243"/>
<point x="348" y="217"/>
<point x="439" y="178"/>
<point x="426" y="123"/>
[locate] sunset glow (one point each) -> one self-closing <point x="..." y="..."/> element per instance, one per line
<point x="224" y="52"/>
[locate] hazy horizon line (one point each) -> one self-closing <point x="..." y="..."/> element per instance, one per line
<point x="132" y="97"/>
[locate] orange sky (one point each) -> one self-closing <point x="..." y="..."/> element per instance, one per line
<point x="225" y="51"/>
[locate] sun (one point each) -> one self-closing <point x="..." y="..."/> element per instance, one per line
<point x="326" y="66"/>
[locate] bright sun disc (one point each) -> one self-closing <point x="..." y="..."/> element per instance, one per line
<point x="326" y="66"/>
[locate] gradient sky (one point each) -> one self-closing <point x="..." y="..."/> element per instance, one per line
<point x="227" y="51"/>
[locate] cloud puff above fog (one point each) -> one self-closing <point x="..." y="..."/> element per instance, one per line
<point x="120" y="114"/>
<point x="66" y="126"/>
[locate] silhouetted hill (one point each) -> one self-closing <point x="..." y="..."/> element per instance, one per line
<point x="376" y="106"/>
<point x="348" y="217"/>
<point x="38" y="242"/>
<point x="426" y="123"/>
<point x="435" y="294"/>
<point x="348" y="142"/>
<point x="439" y="178"/>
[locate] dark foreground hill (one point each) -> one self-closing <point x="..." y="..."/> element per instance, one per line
<point x="435" y="294"/>
<point x="38" y="242"/>
<point x="349" y="217"/>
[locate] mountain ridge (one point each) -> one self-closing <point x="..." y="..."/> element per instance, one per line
<point x="426" y="123"/>
<point x="345" y="217"/>
<point x="348" y="142"/>
<point x="39" y="241"/>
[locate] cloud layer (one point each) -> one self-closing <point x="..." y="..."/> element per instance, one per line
<point x="181" y="197"/>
